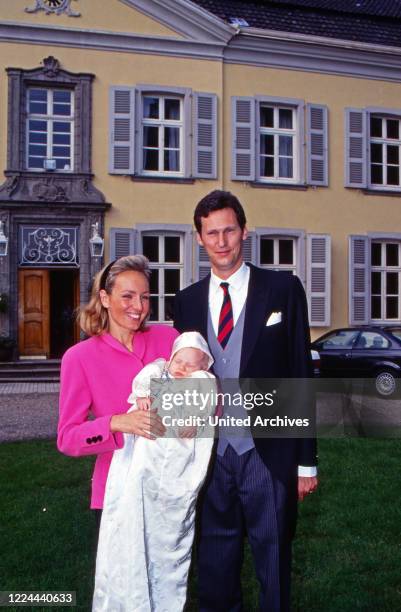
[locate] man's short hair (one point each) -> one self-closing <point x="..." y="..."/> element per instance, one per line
<point x="217" y="200"/>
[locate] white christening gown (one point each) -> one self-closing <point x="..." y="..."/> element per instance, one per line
<point x="147" y="527"/>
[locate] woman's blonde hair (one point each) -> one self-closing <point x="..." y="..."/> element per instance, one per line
<point x="93" y="317"/>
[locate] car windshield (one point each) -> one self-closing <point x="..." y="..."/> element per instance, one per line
<point x="340" y="339"/>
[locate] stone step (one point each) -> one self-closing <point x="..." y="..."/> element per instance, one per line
<point x="53" y="374"/>
<point x="31" y="364"/>
<point x="30" y="371"/>
<point x="30" y="379"/>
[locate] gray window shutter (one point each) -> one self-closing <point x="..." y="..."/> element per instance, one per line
<point x="203" y="267"/>
<point x="243" y="139"/>
<point x="355" y="148"/>
<point x="205" y="135"/>
<point x="122" y="242"/>
<point x="359" y="267"/>
<point x="318" y="279"/>
<point x="188" y="149"/>
<point x="317" y="149"/>
<point x="122" y="130"/>
<point x="249" y="248"/>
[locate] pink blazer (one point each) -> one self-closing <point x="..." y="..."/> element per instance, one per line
<point x="96" y="377"/>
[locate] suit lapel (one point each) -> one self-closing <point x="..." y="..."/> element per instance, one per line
<point x="257" y="304"/>
<point x="201" y="306"/>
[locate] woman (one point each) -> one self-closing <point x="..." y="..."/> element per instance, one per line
<point x="96" y="374"/>
<point x="148" y="520"/>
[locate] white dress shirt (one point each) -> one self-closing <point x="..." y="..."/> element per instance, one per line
<point x="238" y="288"/>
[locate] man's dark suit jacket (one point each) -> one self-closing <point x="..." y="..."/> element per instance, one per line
<point x="275" y="351"/>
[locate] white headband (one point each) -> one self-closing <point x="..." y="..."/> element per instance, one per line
<point x="195" y="340"/>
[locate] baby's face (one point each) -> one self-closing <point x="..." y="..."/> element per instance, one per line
<point x="186" y="361"/>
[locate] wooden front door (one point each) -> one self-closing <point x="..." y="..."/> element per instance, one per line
<point x="33" y="312"/>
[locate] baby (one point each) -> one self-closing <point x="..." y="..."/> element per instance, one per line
<point x="190" y="358"/>
<point x="147" y="527"/>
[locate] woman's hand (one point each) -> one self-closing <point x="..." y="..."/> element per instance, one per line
<point x="187" y="432"/>
<point x="144" y="423"/>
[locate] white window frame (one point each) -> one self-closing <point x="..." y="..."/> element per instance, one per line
<point x="383" y="113"/>
<point x="276" y="234"/>
<point x="184" y="232"/>
<point x="161" y="123"/>
<point x="276" y="265"/>
<point x="297" y="132"/>
<point x="50" y="120"/>
<point x="383" y="269"/>
<point x="276" y="132"/>
<point x="384" y="141"/>
<point x="185" y="95"/>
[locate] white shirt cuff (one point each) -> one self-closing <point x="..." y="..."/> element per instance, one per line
<point x="307" y="471"/>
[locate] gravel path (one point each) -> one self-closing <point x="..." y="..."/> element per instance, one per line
<point x="28" y="416"/>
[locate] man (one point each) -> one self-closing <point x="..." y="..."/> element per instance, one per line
<point x="254" y="482"/>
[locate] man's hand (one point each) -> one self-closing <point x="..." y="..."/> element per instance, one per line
<point x="306" y="485"/>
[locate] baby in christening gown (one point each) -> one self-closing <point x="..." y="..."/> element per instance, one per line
<point x="147" y="527"/>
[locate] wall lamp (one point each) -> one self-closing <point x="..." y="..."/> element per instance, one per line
<point x="96" y="243"/>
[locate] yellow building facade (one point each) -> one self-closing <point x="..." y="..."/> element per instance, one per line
<point x="117" y="118"/>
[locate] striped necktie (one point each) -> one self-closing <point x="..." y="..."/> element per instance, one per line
<point x="226" y="320"/>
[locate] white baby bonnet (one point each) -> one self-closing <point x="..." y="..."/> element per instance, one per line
<point x="192" y="339"/>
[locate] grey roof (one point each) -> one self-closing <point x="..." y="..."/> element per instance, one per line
<point x="376" y="22"/>
<point x="378" y="8"/>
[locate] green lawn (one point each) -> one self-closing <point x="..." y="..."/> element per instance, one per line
<point x="347" y="555"/>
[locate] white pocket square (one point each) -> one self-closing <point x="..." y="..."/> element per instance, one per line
<point x="274" y="318"/>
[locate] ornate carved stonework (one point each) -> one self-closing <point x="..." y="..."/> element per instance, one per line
<point x="4" y="218"/>
<point x="53" y="6"/>
<point x="95" y="220"/>
<point x="40" y="187"/>
<point x="51" y="67"/>
<point x="49" y="191"/>
<point x="9" y="186"/>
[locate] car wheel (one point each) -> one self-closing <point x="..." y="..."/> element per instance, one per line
<point x="385" y="383"/>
